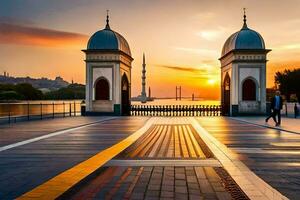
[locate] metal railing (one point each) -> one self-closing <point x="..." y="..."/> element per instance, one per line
<point x="175" y="110"/>
<point x="13" y="112"/>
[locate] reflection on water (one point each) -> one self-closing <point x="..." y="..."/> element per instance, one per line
<point x="26" y="108"/>
<point x="174" y="102"/>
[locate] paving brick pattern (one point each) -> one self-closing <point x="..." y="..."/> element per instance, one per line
<point x="154" y="183"/>
<point x="271" y="154"/>
<point x="160" y="142"/>
<point x="168" y="141"/>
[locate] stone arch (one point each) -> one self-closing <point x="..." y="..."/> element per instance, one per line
<point x="102" y="89"/>
<point x="125" y="89"/>
<point x="226" y="95"/>
<point x="249" y="89"/>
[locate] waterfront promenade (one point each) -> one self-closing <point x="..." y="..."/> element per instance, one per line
<point x="148" y="158"/>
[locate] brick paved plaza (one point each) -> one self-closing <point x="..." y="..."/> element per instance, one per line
<point x="148" y="158"/>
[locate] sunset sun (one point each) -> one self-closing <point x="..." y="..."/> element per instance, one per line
<point x="211" y="81"/>
<point x="137" y="99"/>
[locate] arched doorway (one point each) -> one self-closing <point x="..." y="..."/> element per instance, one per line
<point x="125" y="96"/>
<point x="102" y="89"/>
<point x="226" y="95"/>
<point x="249" y="90"/>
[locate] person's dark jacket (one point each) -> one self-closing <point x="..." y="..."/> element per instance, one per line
<point x="273" y="102"/>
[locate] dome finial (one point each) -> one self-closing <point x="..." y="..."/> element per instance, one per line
<point x="107" y="20"/>
<point x="245" y="19"/>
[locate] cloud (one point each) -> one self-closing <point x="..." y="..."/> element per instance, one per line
<point x="204" y="16"/>
<point x="288" y="47"/>
<point x="200" y="74"/>
<point x="185" y="69"/>
<point x="13" y="33"/>
<point x="198" y="51"/>
<point x="210" y="62"/>
<point x="206" y="76"/>
<point x="17" y="21"/>
<point x="209" y="35"/>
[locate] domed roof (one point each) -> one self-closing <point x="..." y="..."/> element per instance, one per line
<point x="108" y="39"/>
<point x="245" y="39"/>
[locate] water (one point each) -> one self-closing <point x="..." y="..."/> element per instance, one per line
<point x="31" y="108"/>
<point x="174" y="102"/>
<point x="25" y="108"/>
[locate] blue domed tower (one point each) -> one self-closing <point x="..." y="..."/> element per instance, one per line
<point x="108" y="73"/>
<point x="243" y="73"/>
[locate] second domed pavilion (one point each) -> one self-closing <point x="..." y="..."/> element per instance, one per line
<point x="243" y="73"/>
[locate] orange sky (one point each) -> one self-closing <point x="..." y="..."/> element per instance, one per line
<point x="182" y="40"/>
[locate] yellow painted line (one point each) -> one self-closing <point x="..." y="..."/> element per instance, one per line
<point x="137" y="150"/>
<point x="286" y="144"/>
<point x="196" y="144"/>
<point x="293" y="164"/>
<point x="171" y="148"/>
<point x="177" y="144"/>
<point x="166" y="141"/>
<point x="184" y="149"/>
<point x="189" y="142"/>
<point x="156" y="145"/>
<point x="61" y="183"/>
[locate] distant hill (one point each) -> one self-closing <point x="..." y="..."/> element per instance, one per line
<point x="43" y="84"/>
<point x="73" y="91"/>
<point x="25" y="91"/>
<point x="21" y="91"/>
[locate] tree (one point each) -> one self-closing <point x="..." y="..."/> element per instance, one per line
<point x="22" y="91"/>
<point x="288" y="83"/>
<point x="10" y="95"/>
<point x="73" y="91"/>
<point x="29" y="92"/>
<point x="7" y="87"/>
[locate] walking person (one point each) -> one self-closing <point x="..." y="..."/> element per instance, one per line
<point x="276" y="106"/>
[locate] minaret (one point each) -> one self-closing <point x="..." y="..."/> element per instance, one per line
<point x="143" y="94"/>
